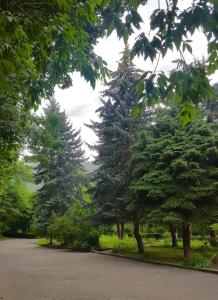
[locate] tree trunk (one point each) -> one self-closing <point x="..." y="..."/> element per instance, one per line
<point x="118" y="231"/>
<point x="186" y="236"/>
<point x="122" y="233"/>
<point x="173" y="232"/>
<point x="138" y="238"/>
<point x="212" y="234"/>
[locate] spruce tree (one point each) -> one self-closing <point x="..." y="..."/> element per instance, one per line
<point x="57" y="152"/>
<point x="177" y="169"/>
<point x="116" y="132"/>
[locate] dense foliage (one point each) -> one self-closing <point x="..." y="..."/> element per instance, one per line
<point x="176" y="171"/>
<point x="16" y="205"/>
<point x="74" y="229"/>
<point x="44" y="42"/>
<point x="57" y="155"/>
<point x="116" y="131"/>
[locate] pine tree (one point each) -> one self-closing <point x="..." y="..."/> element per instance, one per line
<point x="58" y="155"/>
<point x="116" y="132"/>
<point x="177" y="169"/>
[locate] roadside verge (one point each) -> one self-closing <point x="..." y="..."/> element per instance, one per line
<point x="212" y="271"/>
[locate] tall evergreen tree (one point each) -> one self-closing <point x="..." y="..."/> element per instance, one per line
<point x="116" y="131"/>
<point x="177" y="168"/>
<point x="58" y="155"/>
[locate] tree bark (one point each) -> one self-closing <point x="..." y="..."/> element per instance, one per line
<point x="212" y="234"/>
<point x="138" y="238"/>
<point x="118" y="231"/>
<point x="173" y="232"/>
<point x="122" y="233"/>
<point x="186" y="236"/>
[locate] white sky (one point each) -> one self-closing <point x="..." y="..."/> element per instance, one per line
<point x="80" y="101"/>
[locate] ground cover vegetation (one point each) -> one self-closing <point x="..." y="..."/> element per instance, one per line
<point x="157" y="153"/>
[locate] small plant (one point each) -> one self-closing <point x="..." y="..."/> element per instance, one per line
<point x="79" y="246"/>
<point x="197" y="262"/>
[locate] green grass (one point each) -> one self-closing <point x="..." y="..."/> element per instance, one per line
<point x="46" y="242"/>
<point x="156" y="251"/>
<point x="110" y="241"/>
<point x="195" y="244"/>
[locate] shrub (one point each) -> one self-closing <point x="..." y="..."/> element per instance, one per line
<point x="74" y="229"/>
<point x="93" y="239"/>
<point x="197" y="261"/>
<point x="79" y="246"/>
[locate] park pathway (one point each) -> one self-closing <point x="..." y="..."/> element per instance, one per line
<point x="30" y="272"/>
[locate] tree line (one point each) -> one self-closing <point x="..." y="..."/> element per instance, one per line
<point x="152" y="168"/>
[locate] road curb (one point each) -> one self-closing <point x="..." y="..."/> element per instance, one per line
<point x="212" y="271"/>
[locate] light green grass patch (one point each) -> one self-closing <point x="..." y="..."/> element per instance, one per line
<point x="109" y="241"/>
<point x="46" y="242"/>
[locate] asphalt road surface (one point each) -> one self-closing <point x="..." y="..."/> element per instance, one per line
<point x="28" y="272"/>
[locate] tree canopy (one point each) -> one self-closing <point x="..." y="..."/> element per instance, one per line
<point x="43" y="42"/>
<point x="176" y="171"/>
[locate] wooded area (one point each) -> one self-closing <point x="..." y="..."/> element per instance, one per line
<point x="156" y="155"/>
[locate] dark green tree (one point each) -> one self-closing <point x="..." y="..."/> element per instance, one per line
<point x="177" y="169"/>
<point x="57" y="153"/>
<point x="116" y="131"/>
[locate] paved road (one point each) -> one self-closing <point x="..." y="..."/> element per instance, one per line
<point x="30" y="272"/>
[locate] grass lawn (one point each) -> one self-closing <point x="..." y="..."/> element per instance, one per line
<point x="46" y="242"/>
<point x="155" y="250"/>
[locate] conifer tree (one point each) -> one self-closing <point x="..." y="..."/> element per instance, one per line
<point x="57" y="152"/>
<point x="177" y="169"/>
<point x="116" y="132"/>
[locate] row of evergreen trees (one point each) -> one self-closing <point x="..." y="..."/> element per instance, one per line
<point x="153" y="169"/>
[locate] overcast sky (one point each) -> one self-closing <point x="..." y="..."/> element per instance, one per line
<point x="80" y="101"/>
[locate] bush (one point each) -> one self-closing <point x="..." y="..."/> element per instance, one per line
<point x="79" y="246"/>
<point x="74" y="229"/>
<point x="93" y="239"/>
<point x="197" y="261"/>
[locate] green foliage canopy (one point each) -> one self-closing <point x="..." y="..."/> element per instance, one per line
<point x="177" y="170"/>
<point x="16" y="205"/>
